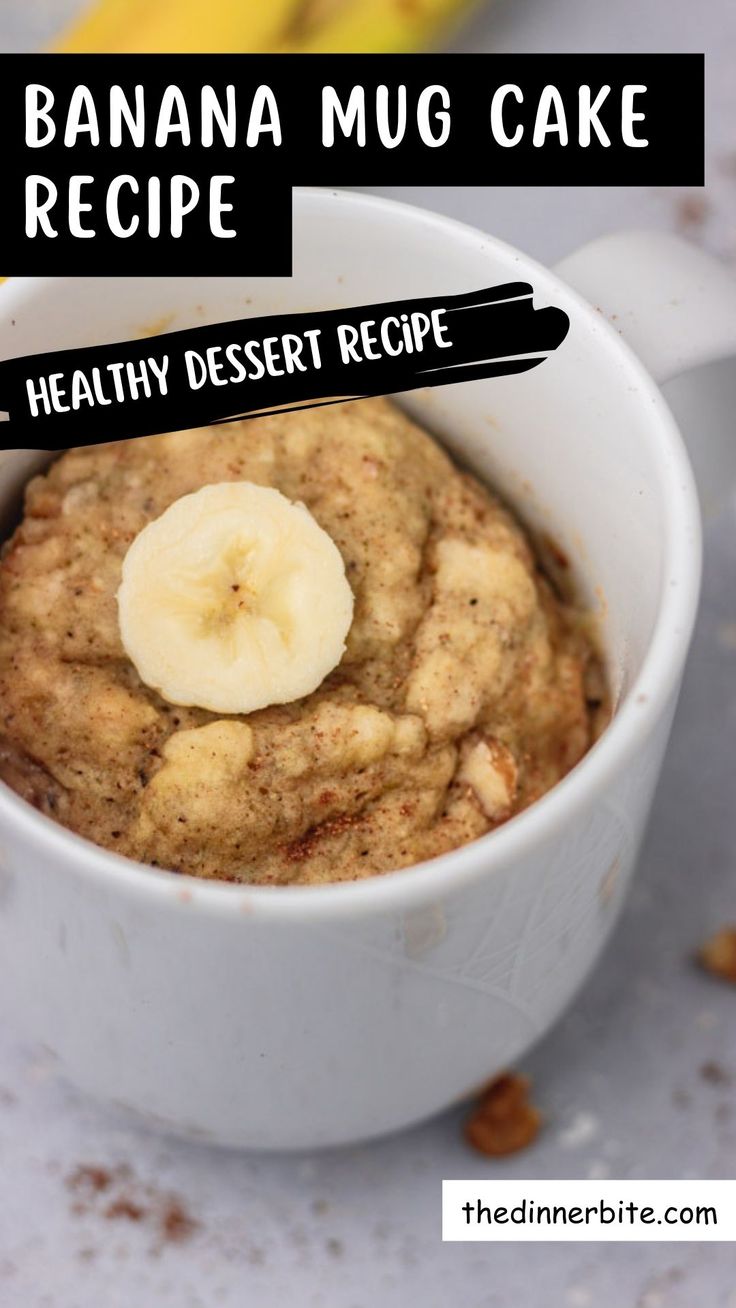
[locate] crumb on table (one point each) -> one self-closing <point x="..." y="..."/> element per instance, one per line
<point x="504" y="1120"/>
<point x="718" y="954"/>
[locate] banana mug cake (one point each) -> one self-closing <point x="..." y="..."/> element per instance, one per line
<point x="298" y="649"/>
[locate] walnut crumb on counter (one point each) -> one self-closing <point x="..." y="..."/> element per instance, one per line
<point x="504" y="1121"/>
<point x="718" y="954"/>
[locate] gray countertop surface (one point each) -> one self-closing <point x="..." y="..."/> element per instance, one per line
<point x="626" y="1080"/>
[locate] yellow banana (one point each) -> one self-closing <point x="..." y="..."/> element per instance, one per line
<point x="369" y="26"/>
<point x="328" y="26"/>
<point x="179" y="26"/>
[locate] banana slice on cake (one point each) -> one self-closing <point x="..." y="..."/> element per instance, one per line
<point x="234" y="599"/>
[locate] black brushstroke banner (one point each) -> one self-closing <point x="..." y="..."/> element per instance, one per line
<point x="493" y="332"/>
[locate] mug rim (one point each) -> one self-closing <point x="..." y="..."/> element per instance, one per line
<point x="521" y="835"/>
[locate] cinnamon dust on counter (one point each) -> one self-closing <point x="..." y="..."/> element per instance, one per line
<point x="718" y="955"/>
<point x="175" y="1223"/>
<point x="715" y="1074"/>
<point x="691" y="212"/>
<point x="115" y="1194"/>
<point x="125" y="1208"/>
<point x="89" y="1179"/>
<point x="504" y="1121"/>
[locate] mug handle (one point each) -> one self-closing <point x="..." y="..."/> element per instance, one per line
<point x="674" y="304"/>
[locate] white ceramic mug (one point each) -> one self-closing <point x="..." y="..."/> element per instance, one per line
<point x="285" y="1017"/>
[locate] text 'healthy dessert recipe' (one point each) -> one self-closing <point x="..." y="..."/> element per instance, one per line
<point x="298" y="649"/>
